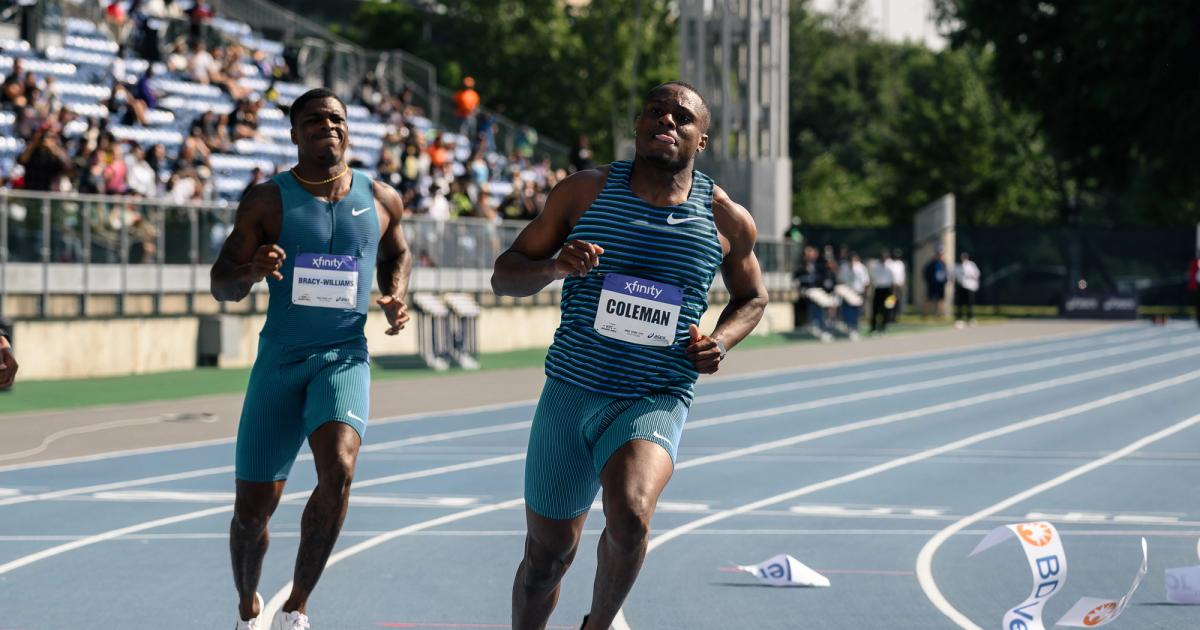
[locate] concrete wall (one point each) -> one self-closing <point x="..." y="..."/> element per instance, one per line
<point x="83" y="348"/>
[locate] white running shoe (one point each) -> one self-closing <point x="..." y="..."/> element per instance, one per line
<point x="294" y="620"/>
<point x="253" y="623"/>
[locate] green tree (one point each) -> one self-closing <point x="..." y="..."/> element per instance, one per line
<point x="1115" y="86"/>
<point x="563" y="72"/>
<point x="879" y="129"/>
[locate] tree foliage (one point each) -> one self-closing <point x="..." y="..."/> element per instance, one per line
<point x="1116" y="86"/>
<point x="879" y="129"/>
<point x="563" y="71"/>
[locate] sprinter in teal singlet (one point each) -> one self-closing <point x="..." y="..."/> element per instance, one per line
<point x="317" y="233"/>
<point x="637" y="245"/>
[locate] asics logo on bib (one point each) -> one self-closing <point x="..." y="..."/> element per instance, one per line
<point x="638" y="287"/>
<point x="674" y="220"/>
<point x="354" y="212"/>
<point x="321" y="262"/>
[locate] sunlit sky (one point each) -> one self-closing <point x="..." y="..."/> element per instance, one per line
<point x="898" y="20"/>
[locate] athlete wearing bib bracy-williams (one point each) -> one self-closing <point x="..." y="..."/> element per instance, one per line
<point x="318" y="231"/>
<point x="638" y="245"/>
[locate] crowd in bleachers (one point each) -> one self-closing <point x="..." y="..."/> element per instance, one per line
<point x="166" y="100"/>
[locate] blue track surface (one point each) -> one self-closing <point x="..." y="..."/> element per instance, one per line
<point x="832" y="465"/>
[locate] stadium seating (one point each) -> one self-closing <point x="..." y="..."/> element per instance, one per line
<point x="86" y="63"/>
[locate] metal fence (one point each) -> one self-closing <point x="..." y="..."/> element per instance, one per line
<point x="1038" y="266"/>
<point x="74" y="247"/>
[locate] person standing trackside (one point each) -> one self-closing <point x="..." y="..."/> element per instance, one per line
<point x="882" y="299"/>
<point x="899" y="284"/>
<point x="935" y="284"/>
<point x="1194" y="283"/>
<point x="8" y="360"/>
<point x="317" y="233"/>
<point x="966" y="281"/>
<point x="638" y="244"/>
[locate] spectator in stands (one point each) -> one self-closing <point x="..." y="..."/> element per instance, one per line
<point x="257" y="176"/>
<point x="143" y="241"/>
<point x="143" y="90"/>
<point x="466" y="101"/>
<point x="436" y="206"/>
<point x="32" y="115"/>
<point x="198" y="16"/>
<point x="485" y="131"/>
<point x="900" y="283"/>
<point x="882" y="299"/>
<point x="115" y="171"/>
<point x="439" y="153"/>
<point x="527" y="139"/>
<point x="178" y="60"/>
<point x="410" y="171"/>
<point x="201" y="65"/>
<point x="45" y="160"/>
<point x="460" y="203"/>
<point x="1193" y="283"/>
<point x="142" y="179"/>
<point x="581" y="155"/>
<point x="935" y="284"/>
<point x="388" y="169"/>
<point x="129" y="109"/>
<point x="118" y="23"/>
<point x="966" y="284"/>
<point x="193" y="152"/>
<point x="157" y="159"/>
<point x="244" y="120"/>
<point x="12" y="91"/>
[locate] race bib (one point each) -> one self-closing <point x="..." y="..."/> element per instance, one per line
<point x="325" y="281"/>
<point x="638" y="311"/>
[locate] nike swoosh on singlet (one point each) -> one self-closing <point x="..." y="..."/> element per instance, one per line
<point x="354" y="212"/>
<point x="674" y="220"/>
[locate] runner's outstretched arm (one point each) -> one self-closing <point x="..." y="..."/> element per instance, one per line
<point x="529" y="265"/>
<point x="393" y="264"/>
<point x="743" y="279"/>
<point x="245" y="257"/>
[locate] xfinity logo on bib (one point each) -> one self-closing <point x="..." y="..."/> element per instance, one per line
<point x="321" y="262"/>
<point x="636" y="287"/>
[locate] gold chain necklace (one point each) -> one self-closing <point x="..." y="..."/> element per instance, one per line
<point x="323" y="181"/>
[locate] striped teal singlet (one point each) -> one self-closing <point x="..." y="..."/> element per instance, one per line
<point x="663" y="249"/>
<point x="327" y="239"/>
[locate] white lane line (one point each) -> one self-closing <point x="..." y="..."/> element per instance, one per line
<point x="923" y="411"/>
<point x="437" y="437"/>
<point x="504" y="459"/>
<point x="189" y="516"/>
<point x="1188" y="534"/>
<point x="410" y="417"/>
<point x="935" y="383"/>
<point x="277" y="600"/>
<point x="1099" y="335"/>
<point x="159" y="496"/>
<point x="691" y="426"/>
<point x="218" y="470"/>
<point x="622" y="624"/>
<point x="925" y="557"/>
<point x="1104" y="338"/>
<point x="866" y="375"/>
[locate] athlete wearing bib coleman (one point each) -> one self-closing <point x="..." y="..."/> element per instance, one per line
<point x="637" y="245"/>
<point x="317" y="233"/>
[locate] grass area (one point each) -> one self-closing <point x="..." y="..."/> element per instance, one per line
<point x="72" y="393"/>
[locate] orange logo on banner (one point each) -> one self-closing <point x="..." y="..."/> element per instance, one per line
<point x="1100" y="614"/>
<point x="1036" y="534"/>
